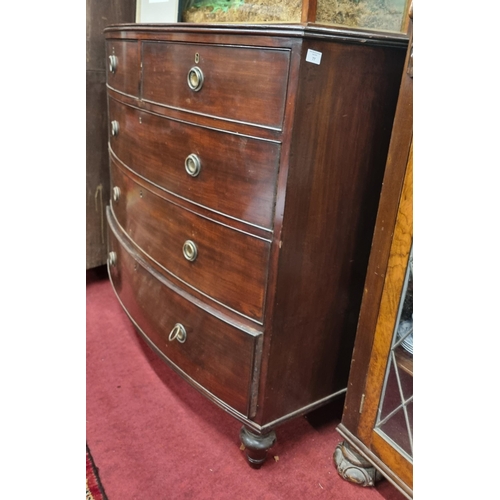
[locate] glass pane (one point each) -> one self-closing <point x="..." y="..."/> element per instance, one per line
<point x="397" y="430"/>
<point x="409" y="410"/>
<point x="392" y="399"/>
<point x="405" y="377"/>
<point x="395" y="414"/>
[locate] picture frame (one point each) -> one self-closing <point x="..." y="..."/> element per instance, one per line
<point x="158" y="11"/>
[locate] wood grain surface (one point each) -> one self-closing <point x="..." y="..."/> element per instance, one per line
<point x="231" y="266"/>
<point x="238" y="174"/>
<point x="245" y="84"/>
<point x="298" y="149"/>
<point x="215" y="355"/>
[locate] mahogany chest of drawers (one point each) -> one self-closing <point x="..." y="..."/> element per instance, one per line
<point x="246" y="166"/>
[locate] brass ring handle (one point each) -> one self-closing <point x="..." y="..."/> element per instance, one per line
<point x="178" y="333"/>
<point x="116" y="193"/>
<point x="190" y="250"/>
<point x="112" y="258"/>
<point x="192" y="165"/>
<point x="115" y="128"/>
<point x="195" y="78"/>
<point x="113" y="63"/>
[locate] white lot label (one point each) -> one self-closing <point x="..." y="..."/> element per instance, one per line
<point x="313" y="56"/>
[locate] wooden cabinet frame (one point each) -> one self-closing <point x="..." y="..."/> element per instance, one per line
<point x="391" y="248"/>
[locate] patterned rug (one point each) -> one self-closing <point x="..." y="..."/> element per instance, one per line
<point x="94" y="486"/>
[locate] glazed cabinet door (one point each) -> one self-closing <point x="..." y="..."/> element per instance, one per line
<point x="386" y="422"/>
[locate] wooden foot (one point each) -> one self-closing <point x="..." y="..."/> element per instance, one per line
<point x="256" y="446"/>
<point x="352" y="467"/>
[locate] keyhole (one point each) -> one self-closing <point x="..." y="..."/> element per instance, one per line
<point x="197" y="58"/>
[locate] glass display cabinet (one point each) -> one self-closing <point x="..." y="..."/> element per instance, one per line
<point x="386" y="15"/>
<point x="377" y="421"/>
<point x="394" y="421"/>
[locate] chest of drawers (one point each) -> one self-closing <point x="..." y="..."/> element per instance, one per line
<point x="246" y="165"/>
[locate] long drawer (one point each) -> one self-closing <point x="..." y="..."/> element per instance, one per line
<point x="214" y="354"/>
<point x="123" y="66"/>
<point x="246" y="84"/>
<point x="226" y="265"/>
<point x="230" y="174"/>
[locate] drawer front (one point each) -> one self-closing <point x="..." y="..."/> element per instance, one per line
<point x="123" y="66"/>
<point x="229" y="266"/>
<point x="217" y="356"/>
<point x="242" y="84"/>
<point x="237" y="175"/>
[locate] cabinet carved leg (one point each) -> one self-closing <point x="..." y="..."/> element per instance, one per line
<point x="256" y="446"/>
<point x="352" y="467"/>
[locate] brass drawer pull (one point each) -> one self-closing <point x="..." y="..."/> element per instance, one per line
<point x="192" y="165"/>
<point x="178" y="333"/>
<point x="195" y="78"/>
<point x="116" y="193"/>
<point x="115" y="128"/>
<point x="190" y="250"/>
<point x="112" y="258"/>
<point x="113" y="63"/>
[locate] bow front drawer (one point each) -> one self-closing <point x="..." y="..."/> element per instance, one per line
<point x="228" y="173"/>
<point x="212" y="353"/>
<point x="244" y="84"/>
<point x="123" y="66"/>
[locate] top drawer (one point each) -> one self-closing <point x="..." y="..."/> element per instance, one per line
<point x="236" y="83"/>
<point x="123" y="66"/>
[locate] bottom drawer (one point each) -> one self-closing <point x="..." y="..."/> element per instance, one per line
<point x="207" y="350"/>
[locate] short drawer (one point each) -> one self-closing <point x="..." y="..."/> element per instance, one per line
<point x="245" y="84"/>
<point x="214" y="354"/>
<point x="230" y="174"/>
<point x="222" y="263"/>
<point x="123" y="66"/>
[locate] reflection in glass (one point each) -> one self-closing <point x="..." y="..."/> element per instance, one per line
<point x="395" y="413"/>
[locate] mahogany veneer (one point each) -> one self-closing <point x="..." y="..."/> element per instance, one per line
<point x="242" y="211"/>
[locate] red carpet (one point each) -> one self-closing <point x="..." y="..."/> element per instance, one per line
<point x="153" y="437"/>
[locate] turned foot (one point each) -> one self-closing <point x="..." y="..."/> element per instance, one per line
<point x="256" y="446"/>
<point x="352" y="467"/>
